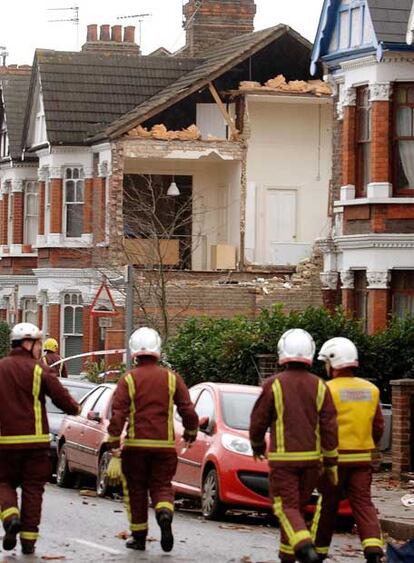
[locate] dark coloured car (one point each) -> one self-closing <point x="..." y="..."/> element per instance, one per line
<point x="78" y="389"/>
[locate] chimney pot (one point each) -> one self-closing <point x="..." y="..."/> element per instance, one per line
<point x="116" y="34"/>
<point x="129" y="34"/>
<point x="105" y="34"/>
<point x="92" y="33"/>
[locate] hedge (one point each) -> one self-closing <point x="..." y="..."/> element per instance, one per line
<point x="225" y="350"/>
<point x="4" y="339"/>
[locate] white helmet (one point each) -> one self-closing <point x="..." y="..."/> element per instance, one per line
<point x="25" y="331"/>
<point x="340" y="353"/>
<point x="296" y="345"/>
<point x="145" y="342"/>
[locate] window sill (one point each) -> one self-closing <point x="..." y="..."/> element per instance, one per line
<point x="59" y="240"/>
<point x="375" y="200"/>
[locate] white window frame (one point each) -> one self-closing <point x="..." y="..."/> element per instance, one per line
<point x="40" y="122"/>
<point x="31" y="191"/>
<point x="74" y="301"/>
<point x="73" y="174"/>
<point x="47" y="206"/>
<point x="4" y="140"/>
<point x="29" y="306"/>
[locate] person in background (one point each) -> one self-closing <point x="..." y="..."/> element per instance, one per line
<point x="51" y="356"/>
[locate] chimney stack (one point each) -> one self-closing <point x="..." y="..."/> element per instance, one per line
<point x="116" y="33"/>
<point x="214" y="21"/>
<point x="92" y="34"/>
<point x="110" y="40"/>
<point x="105" y="34"/>
<point x="129" y="34"/>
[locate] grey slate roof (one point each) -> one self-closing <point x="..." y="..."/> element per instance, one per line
<point x="83" y="92"/>
<point x="390" y="19"/>
<point x="215" y="63"/>
<point x="15" y="88"/>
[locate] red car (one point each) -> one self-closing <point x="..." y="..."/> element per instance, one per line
<point x="82" y="441"/>
<point x="219" y="468"/>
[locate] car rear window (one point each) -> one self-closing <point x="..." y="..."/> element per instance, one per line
<point x="76" y="392"/>
<point x="237" y="408"/>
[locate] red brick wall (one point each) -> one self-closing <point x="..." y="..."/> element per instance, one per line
<point x="378" y="307"/>
<point x="348" y="146"/>
<point x="88" y="206"/>
<point x="99" y="209"/>
<point x="42" y="189"/>
<point x="54" y="320"/>
<point x="380" y="146"/>
<point x="402" y="397"/>
<point x="18" y="215"/>
<point x="56" y="202"/>
<point x="4" y="218"/>
<point x="348" y="301"/>
<point x="64" y="258"/>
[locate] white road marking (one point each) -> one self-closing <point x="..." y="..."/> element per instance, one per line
<point x="97" y="546"/>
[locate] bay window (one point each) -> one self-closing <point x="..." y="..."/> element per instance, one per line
<point x="30" y="213"/>
<point x="404" y="139"/>
<point x="74" y="194"/>
<point x="29" y="310"/>
<point x="363" y="141"/>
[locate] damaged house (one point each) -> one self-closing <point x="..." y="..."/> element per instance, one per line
<point x="214" y="159"/>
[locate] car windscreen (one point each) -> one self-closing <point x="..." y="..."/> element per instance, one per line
<point x="237" y="408"/>
<point x="76" y="392"/>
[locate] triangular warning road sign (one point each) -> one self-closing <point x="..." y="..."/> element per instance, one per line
<point x="103" y="302"/>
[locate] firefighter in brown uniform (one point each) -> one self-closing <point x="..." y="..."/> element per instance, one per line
<point x="24" y="434"/>
<point x="297" y="407"/>
<point x="145" y="398"/>
<point x="51" y="356"/>
<point x="360" y="426"/>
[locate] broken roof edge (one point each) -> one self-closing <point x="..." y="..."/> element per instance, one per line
<point x="121" y="125"/>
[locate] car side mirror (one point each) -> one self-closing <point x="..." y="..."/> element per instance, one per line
<point x="93" y="415"/>
<point x="204" y="423"/>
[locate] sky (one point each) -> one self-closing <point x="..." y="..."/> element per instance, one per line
<point x="24" y="24"/>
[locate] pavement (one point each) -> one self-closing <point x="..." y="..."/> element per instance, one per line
<point x="396" y="520"/>
<point x="87" y="529"/>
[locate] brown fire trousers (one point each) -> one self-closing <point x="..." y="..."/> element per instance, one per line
<point x="29" y="469"/>
<point x="144" y="472"/>
<point x="292" y="488"/>
<point x="355" y="484"/>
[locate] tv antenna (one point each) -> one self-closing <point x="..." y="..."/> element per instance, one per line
<point x="3" y="54"/>
<point x="73" y="17"/>
<point x="140" y="18"/>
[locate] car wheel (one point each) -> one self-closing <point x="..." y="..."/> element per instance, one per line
<point x="211" y="506"/>
<point x="102" y="487"/>
<point x="64" y="477"/>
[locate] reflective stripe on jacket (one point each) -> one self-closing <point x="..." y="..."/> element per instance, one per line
<point x="23" y="386"/>
<point x="298" y="408"/>
<point x="360" y="420"/>
<point x="52" y="357"/>
<point x="145" y="399"/>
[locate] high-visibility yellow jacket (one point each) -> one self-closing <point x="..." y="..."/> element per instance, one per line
<point x="360" y="419"/>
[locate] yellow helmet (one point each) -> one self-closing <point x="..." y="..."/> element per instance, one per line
<point x="51" y="345"/>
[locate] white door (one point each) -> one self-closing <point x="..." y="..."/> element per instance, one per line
<point x="280" y="224"/>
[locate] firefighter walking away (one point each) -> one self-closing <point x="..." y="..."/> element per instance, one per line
<point x="24" y="434"/>
<point x="145" y="398"/>
<point x="360" y="426"/>
<point x="51" y="356"/>
<point x="297" y="407"/>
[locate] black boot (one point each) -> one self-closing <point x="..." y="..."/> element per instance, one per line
<point x="28" y="547"/>
<point x="12" y="528"/>
<point x="164" y="519"/>
<point x="137" y="541"/>
<point x="374" y="557"/>
<point x="307" y="554"/>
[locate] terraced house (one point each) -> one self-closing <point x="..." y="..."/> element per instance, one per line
<point x="366" y="47"/>
<point x="211" y="159"/>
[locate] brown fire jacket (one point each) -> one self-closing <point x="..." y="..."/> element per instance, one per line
<point x="50" y="358"/>
<point x="297" y="407"/>
<point x="24" y="383"/>
<point x="145" y="398"/>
